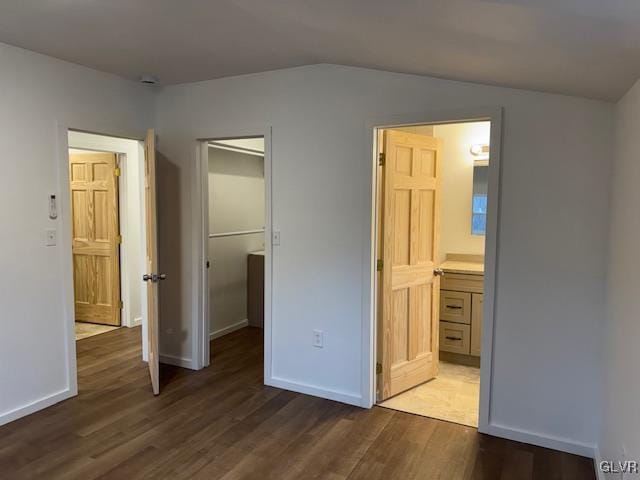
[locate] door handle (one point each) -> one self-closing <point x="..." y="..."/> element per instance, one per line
<point x="453" y="338"/>
<point x="154" y="277"/>
<point x="454" y="307"/>
<point x="438" y="272"/>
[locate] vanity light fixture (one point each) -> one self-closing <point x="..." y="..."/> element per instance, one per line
<point x="479" y="149"/>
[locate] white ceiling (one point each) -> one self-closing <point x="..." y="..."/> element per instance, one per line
<point x="581" y="47"/>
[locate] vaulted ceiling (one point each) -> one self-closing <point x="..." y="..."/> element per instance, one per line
<point x="588" y="48"/>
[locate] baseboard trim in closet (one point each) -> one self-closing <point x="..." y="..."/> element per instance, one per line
<point x="231" y="328"/>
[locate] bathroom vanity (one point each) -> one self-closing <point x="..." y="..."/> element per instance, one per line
<point x="461" y="303"/>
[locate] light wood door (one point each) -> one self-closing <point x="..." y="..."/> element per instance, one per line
<point x="410" y="289"/>
<point x="152" y="277"/>
<point x="95" y="237"/>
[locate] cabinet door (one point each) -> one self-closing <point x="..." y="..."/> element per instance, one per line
<point x="477" y="300"/>
<point x="454" y="338"/>
<point x="455" y="306"/>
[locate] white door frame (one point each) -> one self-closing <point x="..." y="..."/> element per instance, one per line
<point x="200" y="201"/>
<point x="63" y="227"/>
<point x="494" y="115"/>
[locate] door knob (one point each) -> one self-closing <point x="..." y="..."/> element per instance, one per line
<point x="438" y="272"/>
<point x="146" y="278"/>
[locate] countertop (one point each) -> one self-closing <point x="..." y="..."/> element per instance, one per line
<point x="457" y="266"/>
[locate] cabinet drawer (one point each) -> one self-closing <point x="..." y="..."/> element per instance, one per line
<point x="462" y="282"/>
<point x="455" y="306"/>
<point x="454" y="337"/>
<point x="476" y="323"/>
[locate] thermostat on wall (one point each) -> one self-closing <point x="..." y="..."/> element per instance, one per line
<point x="53" y="207"/>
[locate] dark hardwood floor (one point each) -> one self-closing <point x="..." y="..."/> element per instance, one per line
<point x="221" y="422"/>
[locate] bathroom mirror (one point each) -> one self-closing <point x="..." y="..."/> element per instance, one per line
<point x="479" y="198"/>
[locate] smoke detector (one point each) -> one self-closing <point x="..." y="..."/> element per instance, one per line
<point x="148" y="80"/>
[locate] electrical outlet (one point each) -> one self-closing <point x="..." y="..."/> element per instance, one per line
<point x="276" y="237"/>
<point x="318" y="338"/>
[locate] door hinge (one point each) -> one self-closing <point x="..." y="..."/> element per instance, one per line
<point x="378" y="368"/>
<point x="119" y="239"/>
<point x="208" y="264"/>
<point x="121" y="304"/>
<point x="381" y="159"/>
<point x="379" y="265"/>
<point x="117" y="171"/>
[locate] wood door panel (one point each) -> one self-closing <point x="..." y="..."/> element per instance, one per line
<point x="400" y="326"/>
<point x="421" y="299"/>
<point x="82" y="269"/>
<point x="95" y="246"/>
<point x="401" y="227"/>
<point x="80" y="208"/>
<point x="102" y="223"/>
<point x="410" y="291"/>
<point x="422" y="249"/>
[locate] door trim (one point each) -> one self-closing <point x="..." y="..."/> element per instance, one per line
<point x="200" y="219"/>
<point x="369" y="307"/>
<point x="63" y="227"/>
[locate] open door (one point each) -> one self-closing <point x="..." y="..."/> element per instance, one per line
<point x="152" y="277"/>
<point x="96" y="237"/>
<point x="410" y="275"/>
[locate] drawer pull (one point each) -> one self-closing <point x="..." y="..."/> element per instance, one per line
<point x="454" y="307"/>
<point x="453" y="338"/>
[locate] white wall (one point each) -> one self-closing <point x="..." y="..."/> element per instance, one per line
<point x="555" y="172"/>
<point x="37" y="94"/>
<point x="236" y="202"/>
<point x="457" y="186"/>
<point x="131" y="217"/>
<point x="620" y="424"/>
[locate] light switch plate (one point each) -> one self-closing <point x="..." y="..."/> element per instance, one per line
<point x="51" y="238"/>
<point x="318" y="338"/>
<point x="276" y="237"/>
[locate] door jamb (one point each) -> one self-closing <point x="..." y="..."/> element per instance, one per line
<point x="494" y="115"/>
<point x="63" y="227"/>
<point x="201" y="345"/>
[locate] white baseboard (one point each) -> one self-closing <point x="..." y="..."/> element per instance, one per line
<point x="177" y="361"/>
<point x="338" y="396"/>
<point x="136" y="322"/>
<point x="547" y="441"/>
<point x="231" y="328"/>
<point x="33" y="407"/>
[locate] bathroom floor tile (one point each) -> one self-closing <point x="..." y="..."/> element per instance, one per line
<point x="453" y="396"/>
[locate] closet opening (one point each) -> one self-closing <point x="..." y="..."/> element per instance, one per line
<point x="432" y="204"/>
<point x="235" y="247"/>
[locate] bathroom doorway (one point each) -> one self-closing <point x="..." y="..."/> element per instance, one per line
<point x="432" y="201"/>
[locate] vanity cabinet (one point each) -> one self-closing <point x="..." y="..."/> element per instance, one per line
<point x="461" y="297"/>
